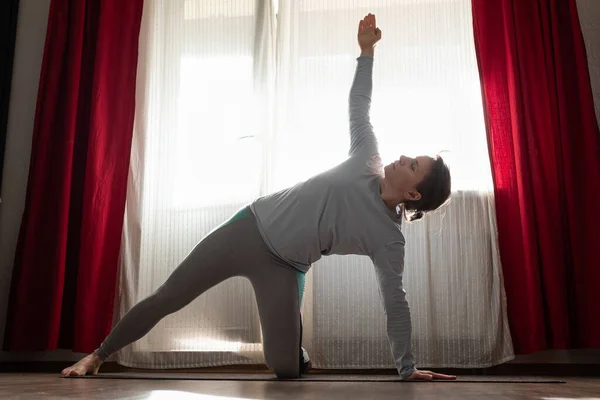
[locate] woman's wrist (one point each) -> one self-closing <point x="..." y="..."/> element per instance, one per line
<point x="370" y="52"/>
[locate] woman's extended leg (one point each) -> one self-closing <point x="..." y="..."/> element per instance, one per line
<point x="222" y="254"/>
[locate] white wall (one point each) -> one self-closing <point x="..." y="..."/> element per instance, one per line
<point x="31" y="32"/>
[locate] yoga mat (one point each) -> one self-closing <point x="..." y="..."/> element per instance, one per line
<point x="307" y="378"/>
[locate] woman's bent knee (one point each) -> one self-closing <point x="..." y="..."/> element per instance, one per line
<point x="286" y="370"/>
<point x="287" y="374"/>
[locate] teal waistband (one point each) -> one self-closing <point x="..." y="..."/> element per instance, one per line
<point x="301" y="277"/>
<point x="238" y="215"/>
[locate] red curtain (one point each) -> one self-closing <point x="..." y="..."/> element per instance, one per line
<point x="66" y="262"/>
<point x="544" y="148"/>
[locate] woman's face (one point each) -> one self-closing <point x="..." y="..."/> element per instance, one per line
<point x="403" y="175"/>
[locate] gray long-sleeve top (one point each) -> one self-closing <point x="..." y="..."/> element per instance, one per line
<point x="341" y="211"/>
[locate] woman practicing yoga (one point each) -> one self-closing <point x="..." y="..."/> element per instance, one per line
<point x="355" y="208"/>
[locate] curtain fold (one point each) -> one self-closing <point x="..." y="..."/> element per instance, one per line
<point x="544" y="146"/>
<point x="223" y="84"/>
<point x="65" y="270"/>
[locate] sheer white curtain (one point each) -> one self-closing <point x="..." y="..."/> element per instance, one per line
<point x="205" y="71"/>
<point x="231" y="106"/>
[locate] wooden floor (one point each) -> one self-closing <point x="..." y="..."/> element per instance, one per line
<point x="50" y="386"/>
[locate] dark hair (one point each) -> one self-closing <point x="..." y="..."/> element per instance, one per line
<point x="435" y="190"/>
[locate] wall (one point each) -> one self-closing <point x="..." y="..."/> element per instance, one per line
<point x="589" y="15"/>
<point x="31" y="31"/>
<point x="8" y="22"/>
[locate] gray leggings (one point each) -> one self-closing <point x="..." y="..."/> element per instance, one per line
<point x="236" y="248"/>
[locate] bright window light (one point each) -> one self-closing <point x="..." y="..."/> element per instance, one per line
<point x="217" y="154"/>
<point x="181" y="395"/>
<point x="203" y="345"/>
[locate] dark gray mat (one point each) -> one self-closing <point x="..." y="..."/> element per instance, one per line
<point x="309" y="377"/>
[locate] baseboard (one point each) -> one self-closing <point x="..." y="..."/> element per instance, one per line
<point x="556" y="370"/>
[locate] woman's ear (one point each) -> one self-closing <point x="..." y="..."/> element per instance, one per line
<point x="412" y="195"/>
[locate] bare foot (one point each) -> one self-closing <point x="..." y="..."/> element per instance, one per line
<point x="88" y="365"/>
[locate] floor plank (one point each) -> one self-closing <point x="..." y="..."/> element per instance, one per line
<point x="50" y="386"/>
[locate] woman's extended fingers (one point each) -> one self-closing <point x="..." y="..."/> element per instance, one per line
<point x="369" y="23"/>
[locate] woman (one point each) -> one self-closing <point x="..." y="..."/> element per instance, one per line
<point x="354" y="208"/>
